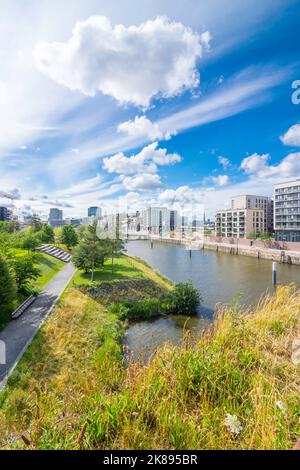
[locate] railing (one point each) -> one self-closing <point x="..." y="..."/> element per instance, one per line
<point x="21" y="309"/>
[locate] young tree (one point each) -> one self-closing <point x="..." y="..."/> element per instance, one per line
<point x="69" y="236"/>
<point x="30" y="242"/>
<point x="46" y="234"/>
<point x="36" y="223"/>
<point x="116" y="249"/>
<point x="25" y="271"/>
<point x="8" y="291"/>
<point x="91" y="251"/>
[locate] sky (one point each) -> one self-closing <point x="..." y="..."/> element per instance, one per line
<point x="126" y="104"/>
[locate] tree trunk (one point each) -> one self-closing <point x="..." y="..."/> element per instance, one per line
<point x="92" y="276"/>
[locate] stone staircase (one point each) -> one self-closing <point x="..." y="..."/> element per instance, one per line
<point x="55" y="252"/>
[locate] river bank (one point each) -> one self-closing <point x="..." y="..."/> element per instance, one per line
<point x="281" y="256"/>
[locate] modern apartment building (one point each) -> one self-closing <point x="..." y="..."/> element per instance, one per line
<point x="256" y="202"/>
<point x="239" y="223"/>
<point x="287" y="211"/>
<point x="56" y="217"/>
<point x="248" y="214"/>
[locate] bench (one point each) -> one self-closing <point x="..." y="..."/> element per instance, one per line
<point x="21" y="309"/>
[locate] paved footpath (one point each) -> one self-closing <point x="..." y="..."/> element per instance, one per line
<point x="19" y="333"/>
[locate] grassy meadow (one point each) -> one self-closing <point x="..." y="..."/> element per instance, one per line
<point x="234" y="387"/>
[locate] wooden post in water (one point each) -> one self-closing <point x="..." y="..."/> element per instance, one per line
<point x="274" y="273"/>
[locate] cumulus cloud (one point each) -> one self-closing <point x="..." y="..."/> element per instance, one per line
<point x="221" y="180"/>
<point x="225" y="162"/>
<point x="132" y="64"/>
<point x="258" y="165"/>
<point x="142" y="127"/>
<point x="292" y="136"/>
<point x="144" y="181"/>
<point x="181" y="195"/>
<point x="145" y="161"/>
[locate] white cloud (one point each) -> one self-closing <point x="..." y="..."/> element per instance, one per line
<point x="221" y="180"/>
<point x="142" y="127"/>
<point x="292" y="136"/>
<point x="145" y="161"/>
<point x="132" y="64"/>
<point x="181" y="195"/>
<point x="257" y="165"/>
<point x="144" y="181"/>
<point x="225" y="162"/>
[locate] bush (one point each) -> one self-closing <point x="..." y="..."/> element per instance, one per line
<point x="185" y="299"/>
<point x="130" y="310"/>
<point x="8" y="292"/>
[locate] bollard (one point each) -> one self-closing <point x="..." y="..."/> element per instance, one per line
<point x="274" y="273"/>
<point x="151" y="244"/>
<point x="190" y="253"/>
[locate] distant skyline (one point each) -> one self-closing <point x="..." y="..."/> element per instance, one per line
<point x="147" y="103"/>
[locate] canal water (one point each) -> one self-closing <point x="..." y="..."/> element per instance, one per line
<point x="220" y="278"/>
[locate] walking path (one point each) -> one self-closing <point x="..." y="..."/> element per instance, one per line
<point x="19" y="333"/>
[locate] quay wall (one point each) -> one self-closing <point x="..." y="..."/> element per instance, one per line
<point x="259" y="251"/>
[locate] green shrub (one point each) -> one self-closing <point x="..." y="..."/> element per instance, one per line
<point x="130" y="310"/>
<point x="185" y="299"/>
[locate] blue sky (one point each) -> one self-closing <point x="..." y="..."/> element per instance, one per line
<point x="161" y="102"/>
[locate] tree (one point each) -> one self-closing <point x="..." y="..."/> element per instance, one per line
<point x="30" y="242"/>
<point x="8" y="291"/>
<point x="46" y="234"/>
<point x="253" y="235"/>
<point x="36" y="223"/>
<point x="25" y="271"/>
<point x="91" y="251"/>
<point x="267" y="238"/>
<point x="116" y="249"/>
<point x="69" y="236"/>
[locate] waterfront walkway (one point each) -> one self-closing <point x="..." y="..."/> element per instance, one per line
<point x="19" y="333"/>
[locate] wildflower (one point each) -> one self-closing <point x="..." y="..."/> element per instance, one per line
<point x="207" y="358"/>
<point x="281" y="406"/>
<point x="233" y="424"/>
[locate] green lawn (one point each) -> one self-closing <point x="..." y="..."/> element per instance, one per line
<point x="123" y="269"/>
<point x="48" y="266"/>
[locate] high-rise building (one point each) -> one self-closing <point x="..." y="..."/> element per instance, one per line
<point x="94" y="212"/>
<point x="287" y="211"/>
<point x="5" y="214"/>
<point x="56" y="217"/>
<point x="156" y="220"/>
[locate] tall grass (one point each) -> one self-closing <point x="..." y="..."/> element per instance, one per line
<point x="72" y="389"/>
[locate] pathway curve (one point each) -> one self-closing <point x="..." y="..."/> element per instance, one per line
<point x="19" y="333"/>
